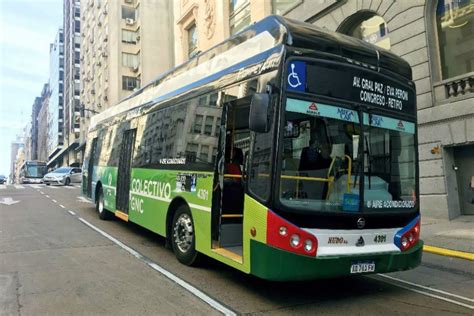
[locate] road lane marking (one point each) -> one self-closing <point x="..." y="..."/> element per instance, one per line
<point x="47" y="196"/>
<point x="449" y="252"/>
<point x="394" y="283"/>
<point x="52" y="187"/>
<point x="435" y="296"/>
<point x="198" y="293"/>
<point x="428" y="288"/>
<point x="70" y="187"/>
<point x="41" y="192"/>
<point x="83" y="200"/>
<point x="8" y="201"/>
<point x="54" y="201"/>
<point x="62" y="206"/>
<point x="71" y="212"/>
<point x="18" y="186"/>
<point x="35" y="186"/>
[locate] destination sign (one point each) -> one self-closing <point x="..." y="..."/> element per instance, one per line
<point x="361" y="86"/>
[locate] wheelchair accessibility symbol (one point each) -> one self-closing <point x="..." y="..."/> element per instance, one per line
<point x="297" y="74"/>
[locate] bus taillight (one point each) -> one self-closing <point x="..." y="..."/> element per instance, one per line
<point x="284" y="235"/>
<point x="408" y="236"/>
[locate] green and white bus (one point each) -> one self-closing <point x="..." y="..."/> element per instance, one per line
<point x="287" y="152"/>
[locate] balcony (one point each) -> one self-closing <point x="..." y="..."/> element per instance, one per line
<point x="457" y="88"/>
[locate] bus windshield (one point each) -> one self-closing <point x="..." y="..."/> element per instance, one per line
<point x="36" y="171"/>
<point x="323" y="159"/>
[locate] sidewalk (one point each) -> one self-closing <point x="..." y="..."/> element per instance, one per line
<point x="457" y="234"/>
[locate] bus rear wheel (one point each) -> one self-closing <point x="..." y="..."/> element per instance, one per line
<point x="183" y="238"/>
<point x="100" y="207"/>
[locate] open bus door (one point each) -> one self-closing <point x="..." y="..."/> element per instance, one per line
<point x="229" y="186"/>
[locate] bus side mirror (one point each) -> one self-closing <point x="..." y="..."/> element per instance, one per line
<point x="258" y="120"/>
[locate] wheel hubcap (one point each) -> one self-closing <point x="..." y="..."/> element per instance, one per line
<point x="101" y="204"/>
<point x="183" y="232"/>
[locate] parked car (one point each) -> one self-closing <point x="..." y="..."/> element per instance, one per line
<point x="3" y="179"/>
<point x="64" y="176"/>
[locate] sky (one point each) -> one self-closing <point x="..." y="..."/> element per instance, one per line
<point x="27" y="27"/>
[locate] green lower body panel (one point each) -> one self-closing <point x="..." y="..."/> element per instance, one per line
<point x="275" y="264"/>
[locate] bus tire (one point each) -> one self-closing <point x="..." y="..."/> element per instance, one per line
<point x="183" y="238"/>
<point x="100" y="207"/>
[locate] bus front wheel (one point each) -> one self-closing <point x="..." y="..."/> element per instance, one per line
<point x="183" y="238"/>
<point x="100" y="207"/>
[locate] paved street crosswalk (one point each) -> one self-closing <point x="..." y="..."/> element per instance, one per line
<point x="37" y="186"/>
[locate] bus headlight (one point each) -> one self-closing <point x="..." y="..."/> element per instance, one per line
<point x="308" y="245"/>
<point x="295" y="240"/>
<point x="289" y="237"/>
<point x="405" y="243"/>
<point x="408" y="236"/>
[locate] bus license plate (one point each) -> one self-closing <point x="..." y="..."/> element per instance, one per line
<point x="363" y="267"/>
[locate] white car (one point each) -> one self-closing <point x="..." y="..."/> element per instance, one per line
<point x="64" y="176"/>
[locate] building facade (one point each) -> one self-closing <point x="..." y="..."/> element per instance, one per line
<point x="36" y="108"/>
<point x="55" y="139"/>
<point x="15" y="147"/>
<point x="435" y="37"/>
<point x="42" y="121"/>
<point x="124" y="44"/>
<point x="71" y="99"/>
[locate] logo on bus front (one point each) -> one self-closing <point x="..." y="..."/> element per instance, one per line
<point x="376" y="121"/>
<point x="345" y="114"/>
<point x="400" y="125"/>
<point x="313" y="109"/>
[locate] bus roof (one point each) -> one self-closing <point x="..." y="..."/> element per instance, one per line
<point x="256" y="40"/>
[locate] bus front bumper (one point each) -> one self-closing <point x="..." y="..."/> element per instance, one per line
<point x="279" y="265"/>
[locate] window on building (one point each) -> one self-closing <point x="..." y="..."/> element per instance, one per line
<point x="455" y="23"/>
<point x="191" y="152"/>
<point x="130" y="60"/>
<point x="130" y="83"/>
<point x="192" y="40"/>
<point x="77" y="12"/>
<point x="368" y="27"/>
<point x="129" y="37"/>
<point x="204" y="154"/>
<point x="239" y="15"/>
<point x="208" y="125"/>
<point x="77" y="26"/>
<point x="283" y="6"/>
<point x="198" y="124"/>
<point x="129" y="13"/>
<point x="77" y="57"/>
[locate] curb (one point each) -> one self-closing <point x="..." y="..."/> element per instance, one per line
<point x="449" y="252"/>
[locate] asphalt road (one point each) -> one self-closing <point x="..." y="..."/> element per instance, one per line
<point x="57" y="257"/>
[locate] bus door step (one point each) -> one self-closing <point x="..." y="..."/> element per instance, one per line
<point x="231" y="235"/>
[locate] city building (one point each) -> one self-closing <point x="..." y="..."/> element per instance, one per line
<point x="71" y="94"/>
<point x="55" y="107"/>
<point x="124" y="44"/>
<point x="33" y="148"/>
<point x="15" y="147"/>
<point x="435" y="37"/>
<point x="42" y="121"/>
<point x="19" y="160"/>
